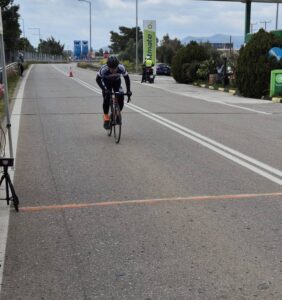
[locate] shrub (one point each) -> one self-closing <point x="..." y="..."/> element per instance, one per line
<point x="254" y="65"/>
<point x="190" y="71"/>
<point x="206" y="67"/>
<point x="187" y="60"/>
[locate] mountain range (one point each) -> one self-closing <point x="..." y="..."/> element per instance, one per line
<point x="237" y="41"/>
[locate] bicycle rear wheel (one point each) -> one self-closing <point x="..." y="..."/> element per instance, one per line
<point x="117" y="123"/>
<point x="110" y="130"/>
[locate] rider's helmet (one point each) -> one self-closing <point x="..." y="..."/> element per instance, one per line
<point x="112" y="62"/>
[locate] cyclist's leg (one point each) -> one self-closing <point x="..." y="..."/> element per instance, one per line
<point x="118" y="88"/>
<point x="106" y="99"/>
<point x="106" y="108"/>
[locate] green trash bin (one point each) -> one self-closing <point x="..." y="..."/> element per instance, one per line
<point x="276" y="83"/>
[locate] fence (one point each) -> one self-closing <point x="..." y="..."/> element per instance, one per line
<point x="35" y="56"/>
<point x="42" y="57"/>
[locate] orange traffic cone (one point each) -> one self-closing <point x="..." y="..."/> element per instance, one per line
<point x="70" y="73"/>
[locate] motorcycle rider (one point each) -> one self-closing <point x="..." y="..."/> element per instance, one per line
<point x="148" y="64"/>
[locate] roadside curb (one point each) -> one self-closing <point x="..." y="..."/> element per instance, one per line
<point x="211" y="87"/>
<point x="233" y="92"/>
<point x="276" y="100"/>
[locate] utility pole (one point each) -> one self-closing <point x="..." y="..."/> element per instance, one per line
<point x="265" y="22"/>
<point x="252" y="27"/>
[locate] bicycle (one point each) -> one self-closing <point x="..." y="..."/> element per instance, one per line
<point x="115" y="116"/>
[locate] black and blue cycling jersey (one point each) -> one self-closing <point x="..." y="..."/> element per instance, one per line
<point x="108" y="79"/>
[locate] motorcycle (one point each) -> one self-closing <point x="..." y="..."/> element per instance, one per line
<point x="148" y="75"/>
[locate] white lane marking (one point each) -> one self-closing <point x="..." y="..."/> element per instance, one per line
<point x="210" y="146"/>
<point x="245" y="108"/>
<point x="233" y="155"/>
<point x="4" y="209"/>
<point x="219" y="145"/>
<point x="207" y="100"/>
<point x="92" y="88"/>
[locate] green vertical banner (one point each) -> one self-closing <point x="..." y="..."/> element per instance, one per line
<point x="149" y="40"/>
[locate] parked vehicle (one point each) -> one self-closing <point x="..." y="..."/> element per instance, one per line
<point x="163" y="69"/>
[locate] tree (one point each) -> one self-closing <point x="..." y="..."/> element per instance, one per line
<point x="119" y="41"/>
<point x="168" y="49"/>
<point x="25" y="45"/>
<point x="51" y="46"/>
<point x="187" y="60"/>
<point x="11" y="27"/>
<point x="101" y="52"/>
<point x="129" y="52"/>
<point x="254" y="64"/>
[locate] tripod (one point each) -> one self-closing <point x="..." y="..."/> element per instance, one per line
<point x="5" y="163"/>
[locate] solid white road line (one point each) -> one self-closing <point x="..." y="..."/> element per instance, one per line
<point x="210" y="144"/>
<point x="4" y="209"/>
<point x="219" y="145"/>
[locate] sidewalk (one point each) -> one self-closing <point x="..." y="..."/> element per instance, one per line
<point x="170" y="85"/>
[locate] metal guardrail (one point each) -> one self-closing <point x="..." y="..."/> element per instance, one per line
<point x="9" y="66"/>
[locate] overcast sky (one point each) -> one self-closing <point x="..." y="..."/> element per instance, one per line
<point x="68" y="20"/>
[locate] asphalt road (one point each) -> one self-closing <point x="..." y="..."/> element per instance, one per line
<point x="187" y="206"/>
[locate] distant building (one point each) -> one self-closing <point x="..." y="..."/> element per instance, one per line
<point x="84" y="49"/>
<point x="222" y="46"/>
<point x="77" y="49"/>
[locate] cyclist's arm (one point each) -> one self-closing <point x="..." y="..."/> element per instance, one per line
<point x="127" y="83"/>
<point x="100" y="82"/>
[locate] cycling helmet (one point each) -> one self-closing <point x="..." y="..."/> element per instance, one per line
<point x="112" y="62"/>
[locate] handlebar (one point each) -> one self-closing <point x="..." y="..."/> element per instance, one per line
<point x="123" y="94"/>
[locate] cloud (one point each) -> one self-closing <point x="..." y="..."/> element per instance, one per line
<point x="68" y="20"/>
<point x="116" y="4"/>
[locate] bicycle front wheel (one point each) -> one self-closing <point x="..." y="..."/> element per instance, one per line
<point x="117" y="123"/>
<point x="110" y="130"/>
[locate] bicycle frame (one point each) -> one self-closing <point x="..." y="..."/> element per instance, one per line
<point x="115" y="117"/>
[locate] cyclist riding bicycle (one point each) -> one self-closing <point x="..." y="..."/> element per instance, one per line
<point x="108" y="79"/>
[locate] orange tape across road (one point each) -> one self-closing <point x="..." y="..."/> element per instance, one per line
<point x="145" y="201"/>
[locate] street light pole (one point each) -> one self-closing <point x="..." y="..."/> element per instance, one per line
<point x="23" y="27"/>
<point x="89" y="2"/>
<point x="136" y="36"/>
<point x="37" y="28"/>
<point x="277" y="13"/>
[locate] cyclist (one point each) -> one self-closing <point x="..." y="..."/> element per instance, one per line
<point x="148" y="64"/>
<point x="108" y="79"/>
